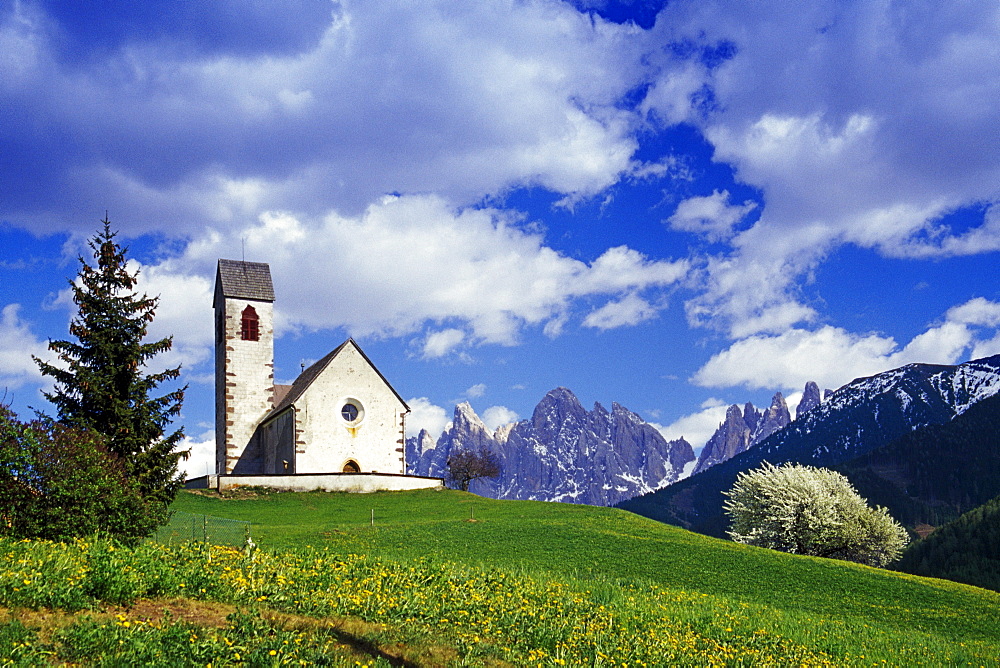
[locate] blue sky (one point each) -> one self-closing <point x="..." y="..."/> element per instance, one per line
<point x="675" y="206"/>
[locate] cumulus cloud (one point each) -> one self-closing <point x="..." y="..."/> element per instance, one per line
<point x="477" y="390"/>
<point x="986" y="348"/>
<point x="425" y="415"/>
<point x="17" y="345"/>
<point x="711" y="216"/>
<point x="201" y="460"/>
<point x="696" y="428"/>
<point x="978" y="311"/>
<point x="630" y="310"/>
<point x="438" y="344"/>
<point x="412" y="260"/>
<point x="184" y="312"/>
<point x="866" y="125"/>
<point x="497" y="416"/>
<point x="832" y="356"/>
<point x="880" y="163"/>
<point x="183" y="123"/>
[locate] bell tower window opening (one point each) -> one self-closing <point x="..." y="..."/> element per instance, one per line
<point x="250" y="325"/>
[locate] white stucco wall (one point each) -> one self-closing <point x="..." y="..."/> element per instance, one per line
<point x="244" y="380"/>
<point x="335" y="482"/>
<point x="326" y="441"/>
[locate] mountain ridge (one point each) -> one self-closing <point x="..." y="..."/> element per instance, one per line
<point x="561" y="453"/>
<point x="860" y="417"/>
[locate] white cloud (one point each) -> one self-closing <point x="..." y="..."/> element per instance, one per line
<point x="411" y="261"/>
<point x="630" y="310"/>
<point x="622" y="268"/>
<point x="201" y="461"/>
<point x="389" y="97"/>
<point x="977" y="311"/>
<point x="441" y="343"/>
<point x="696" y="428"/>
<point x="878" y="163"/>
<point x="184" y="312"/>
<point x="17" y="345"/>
<point x="712" y="216"/>
<point x="832" y="356"/>
<point x="477" y="390"/>
<point x="986" y="348"/>
<point x="671" y="96"/>
<point x="983" y="239"/>
<point x="425" y="415"/>
<point x="497" y="416"/>
<point x="865" y="125"/>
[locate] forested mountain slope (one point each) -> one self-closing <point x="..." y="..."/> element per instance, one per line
<point x="861" y="417"/>
<point x="935" y="473"/>
<point x="964" y="550"/>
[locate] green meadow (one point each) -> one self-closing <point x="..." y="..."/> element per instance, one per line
<point x="442" y="578"/>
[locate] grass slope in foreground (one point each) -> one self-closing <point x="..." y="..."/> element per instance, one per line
<point x="827" y="605"/>
<point x="525" y="584"/>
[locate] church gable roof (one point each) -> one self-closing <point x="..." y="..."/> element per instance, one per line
<point x="307" y="377"/>
<point x="244" y="280"/>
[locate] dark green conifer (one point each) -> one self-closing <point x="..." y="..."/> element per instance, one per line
<point x="102" y="384"/>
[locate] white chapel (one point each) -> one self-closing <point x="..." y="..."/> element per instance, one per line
<point x="340" y="416"/>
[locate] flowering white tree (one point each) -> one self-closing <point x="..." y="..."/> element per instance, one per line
<point x="808" y="510"/>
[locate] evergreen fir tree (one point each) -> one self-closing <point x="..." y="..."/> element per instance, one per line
<point x="103" y="386"/>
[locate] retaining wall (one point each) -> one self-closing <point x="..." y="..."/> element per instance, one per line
<point x="328" y="482"/>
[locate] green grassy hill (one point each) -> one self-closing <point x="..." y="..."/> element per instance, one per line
<point x="802" y="598"/>
<point x="521" y="583"/>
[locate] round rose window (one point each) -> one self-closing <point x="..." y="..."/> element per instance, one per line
<point x="352" y="412"/>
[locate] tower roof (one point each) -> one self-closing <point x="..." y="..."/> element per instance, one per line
<point x="245" y="280"/>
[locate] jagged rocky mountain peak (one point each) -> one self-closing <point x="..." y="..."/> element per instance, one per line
<point x="751" y="416"/>
<point x="810" y="399"/>
<point x="425" y="440"/>
<point x="619" y="411"/>
<point x="741" y="430"/>
<point x="503" y="432"/>
<point x="466" y="418"/>
<point x="563" y="453"/>
<point x="773" y="419"/>
<point x="555" y="407"/>
<point x="778" y="405"/>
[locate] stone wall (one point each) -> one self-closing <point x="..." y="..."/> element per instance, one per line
<point x="244" y="383"/>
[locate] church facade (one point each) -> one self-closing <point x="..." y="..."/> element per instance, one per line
<point x="339" y="416"/>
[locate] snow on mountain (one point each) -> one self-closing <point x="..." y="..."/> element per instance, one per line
<point x="860" y="417"/>
<point x="563" y="453"/>
<point x="743" y="429"/>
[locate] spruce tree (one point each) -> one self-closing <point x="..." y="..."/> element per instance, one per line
<point x="102" y="385"/>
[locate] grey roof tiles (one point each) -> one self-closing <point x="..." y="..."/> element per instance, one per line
<point x="245" y="280"/>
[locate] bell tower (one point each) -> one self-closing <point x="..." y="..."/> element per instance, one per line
<point x="244" y="359"/>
